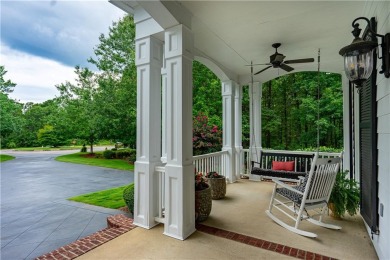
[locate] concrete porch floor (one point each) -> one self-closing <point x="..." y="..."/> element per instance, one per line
<point x="242" y="211"/>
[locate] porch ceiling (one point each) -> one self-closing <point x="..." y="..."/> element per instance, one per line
<point x="234" y="33"/>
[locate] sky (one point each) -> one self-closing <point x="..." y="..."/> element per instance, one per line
<point x="42" y="42"/>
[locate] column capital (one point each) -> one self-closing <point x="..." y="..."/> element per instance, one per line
<point x="238" y="92"/>
<point x="179" y="42"/>
<point x="149" y="50"/>
<point x="228" y="87"/>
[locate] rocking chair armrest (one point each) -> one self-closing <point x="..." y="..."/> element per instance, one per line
<point x="284" y="185"/>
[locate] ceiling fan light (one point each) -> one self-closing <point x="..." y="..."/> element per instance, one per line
<point x="279" y="57"/>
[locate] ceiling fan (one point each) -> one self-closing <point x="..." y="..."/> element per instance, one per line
<point x="277" y="61"/>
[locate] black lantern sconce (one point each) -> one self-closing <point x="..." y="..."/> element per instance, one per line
<point x="358" y="56"/>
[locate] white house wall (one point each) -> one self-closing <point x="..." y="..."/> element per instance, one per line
<point x="381" y="11"/>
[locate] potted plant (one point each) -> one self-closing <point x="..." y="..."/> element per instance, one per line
<point x="345" y="196"/>
<point x="203" y="201"/>
<point x="217" y="184"/>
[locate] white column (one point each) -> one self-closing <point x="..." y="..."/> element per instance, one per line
<point x="346" y="125"/>
<point x="255" y="120"/>
<point x="228" y="114"/>
<point x="164" y="112"/>
<point x="149" y="62"/>
<point x="179" y="170"/>
<point x="238" y="129"/>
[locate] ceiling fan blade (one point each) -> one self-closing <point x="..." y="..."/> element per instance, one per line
<point x="299" y="61"/>
<point x="262" y="70"/>
<point x="286" y="67"/>
<point x="258" y="64"/>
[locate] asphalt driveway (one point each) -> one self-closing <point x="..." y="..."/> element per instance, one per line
<point x="35" y="215"/>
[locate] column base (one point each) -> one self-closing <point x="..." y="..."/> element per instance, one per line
<point x="179" y="201"/>
<point x="230" y="165"/>
<point x="145" y="194"/>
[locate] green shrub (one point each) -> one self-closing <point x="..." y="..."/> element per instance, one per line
<point x="11" y="145"/>
<point x="128" y="197"/>
<point x="206" y="138"/>
<point x="322" y="149"/>
<point x="125" y="153"/>
<point x="133" y="156"/>
<point x="108" y="154"/>
<point x="121" y="153"/>
<point x="99" y="155"/>
<point x="83" y="149"/>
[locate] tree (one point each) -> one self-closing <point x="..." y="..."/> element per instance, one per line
<point x="291" y="106"/>
<point x="103" y="104"/>
<point x="5" y="86"/>
<point x="81" y="106"/>
<point x="117" y="95"/>
<point x="207" y="97"/>
<point x="11" y="121"/>
<point x="47" y="136"/>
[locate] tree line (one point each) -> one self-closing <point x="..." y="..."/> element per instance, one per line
<point x="102" y="105"/>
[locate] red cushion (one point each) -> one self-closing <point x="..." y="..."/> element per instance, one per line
<point x="283" y="166"/>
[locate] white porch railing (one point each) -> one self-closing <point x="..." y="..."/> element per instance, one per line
<point x="212" y="162"/>
<point x="245" y="162"/>
<point x="203" y="163"/>
<point x="216" y="162"/>
<point x="160" y="171"/>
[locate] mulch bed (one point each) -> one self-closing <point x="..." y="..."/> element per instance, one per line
<point x="125" y="209"/>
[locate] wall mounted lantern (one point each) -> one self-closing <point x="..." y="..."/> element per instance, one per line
<point x="358" y="56"/>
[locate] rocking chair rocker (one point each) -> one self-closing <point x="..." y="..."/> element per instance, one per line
<point x="312" y="194"/>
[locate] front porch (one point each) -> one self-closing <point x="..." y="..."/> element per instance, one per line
<point x="242" y="211"/>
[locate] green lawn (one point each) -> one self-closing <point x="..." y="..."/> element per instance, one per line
<point x="4" y="157"/>
<point x="81" y="159"/>
<point x="112" y="198"/>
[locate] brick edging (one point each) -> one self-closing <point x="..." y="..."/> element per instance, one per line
<point x="264" y="244"/>
<point x="117" y="225"/>
<point x="120" y="224"/>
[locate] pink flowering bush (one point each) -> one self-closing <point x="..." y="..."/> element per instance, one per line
<point x="206" y="138"/>
<point x="213" y="175"/>
<point x="200" y="181"/>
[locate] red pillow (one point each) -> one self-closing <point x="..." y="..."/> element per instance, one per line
<point x="283" y="166"/>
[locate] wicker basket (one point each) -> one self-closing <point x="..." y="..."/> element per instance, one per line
<point x="203" y="204"/>
<point x="218" y="187"/>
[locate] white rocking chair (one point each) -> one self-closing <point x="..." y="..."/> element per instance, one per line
<point x="312" y="194"/>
